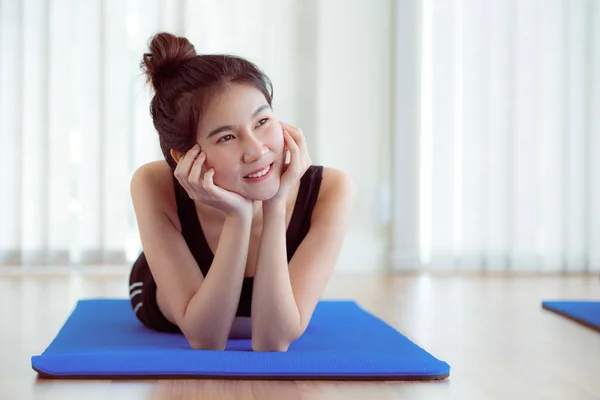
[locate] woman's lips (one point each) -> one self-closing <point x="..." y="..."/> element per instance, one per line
<point x="260" y="174"/>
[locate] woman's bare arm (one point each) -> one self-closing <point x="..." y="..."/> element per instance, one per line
<point x="286" y="294"/>
<point x="275" y="315"/>
<point x="203" y="307"/>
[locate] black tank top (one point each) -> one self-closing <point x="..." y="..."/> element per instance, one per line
<point x="299" y="225"/>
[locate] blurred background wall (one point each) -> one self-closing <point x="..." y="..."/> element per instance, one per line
<point x="471" y="128"/>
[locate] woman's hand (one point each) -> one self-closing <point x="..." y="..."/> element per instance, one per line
<point x="299" y="161"/>
<point x="202" y="188"/>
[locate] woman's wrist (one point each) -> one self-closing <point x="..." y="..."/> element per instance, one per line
<point x="239" y="216"/>
<point x="274" y="206"/>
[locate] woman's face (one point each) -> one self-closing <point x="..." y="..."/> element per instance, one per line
<point x="242" y="137"/>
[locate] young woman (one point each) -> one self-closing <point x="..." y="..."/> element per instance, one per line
<point x="240" y="233"/>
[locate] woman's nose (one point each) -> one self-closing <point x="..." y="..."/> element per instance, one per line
<point x="253" y="149"/>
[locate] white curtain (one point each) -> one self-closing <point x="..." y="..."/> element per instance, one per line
<point x="498" y="167"/>
<point x="74" y="119"/>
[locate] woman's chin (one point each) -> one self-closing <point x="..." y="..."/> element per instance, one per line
<point x="262" y="191"/>
<point x="263" y="195"/>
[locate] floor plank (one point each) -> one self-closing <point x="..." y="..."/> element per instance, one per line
<point x="492" y="330"/>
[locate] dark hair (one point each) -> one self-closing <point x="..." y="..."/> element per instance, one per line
<point x="184" y="82"/>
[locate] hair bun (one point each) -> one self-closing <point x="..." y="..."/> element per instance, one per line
<point x="167" y="52"/>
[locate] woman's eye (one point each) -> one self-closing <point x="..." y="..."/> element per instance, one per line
<point x="263" y="121"/>
<point x="225" y="138"/>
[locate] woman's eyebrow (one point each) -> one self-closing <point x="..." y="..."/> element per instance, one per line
<point x="259" y="109"/>
<point x="229" y="127"/>
<point x="219" y="130"/>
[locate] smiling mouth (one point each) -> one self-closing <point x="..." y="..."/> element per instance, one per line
<point x="260" y="173"/>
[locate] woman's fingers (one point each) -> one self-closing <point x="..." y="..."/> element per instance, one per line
<point x="298" y="136"/>
<point x="290" y="127"/>
<point x="190" y="157"/>
<point x="296" y="133"/>
<point x="293" y="148"/>
<point x="184" y="167"/>
<point x="207" y="181"/>
<point x="195" y="176"/>
<point x="200" y="186"/>
<point x="185" y="163"/>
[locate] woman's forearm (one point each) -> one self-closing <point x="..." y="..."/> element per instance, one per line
<point x="275" y="316"/>
<point x="210" y="313"/>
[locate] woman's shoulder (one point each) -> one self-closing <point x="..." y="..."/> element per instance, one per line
<point x="335" y="198"/>
<point x="156" y="175"/>
<point x="335" y="179"/>
<point x="336" y="184"/>
<point x="152" y="184"/>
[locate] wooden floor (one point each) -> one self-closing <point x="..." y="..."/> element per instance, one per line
<point x="492" y="331"/>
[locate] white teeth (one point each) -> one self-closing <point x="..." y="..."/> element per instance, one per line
<point x="261" y="173"/>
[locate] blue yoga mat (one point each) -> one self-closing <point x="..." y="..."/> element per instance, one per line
<point x="585" y="312"/>
<point x="103" y="339"/>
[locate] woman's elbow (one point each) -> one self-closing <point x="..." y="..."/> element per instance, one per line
<point x="206" y="342"/>
<point x="270" y="347"/>
<point x="206" y="345"/>
<point x="270" y="341"/>
<point x="202" y="340"/>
